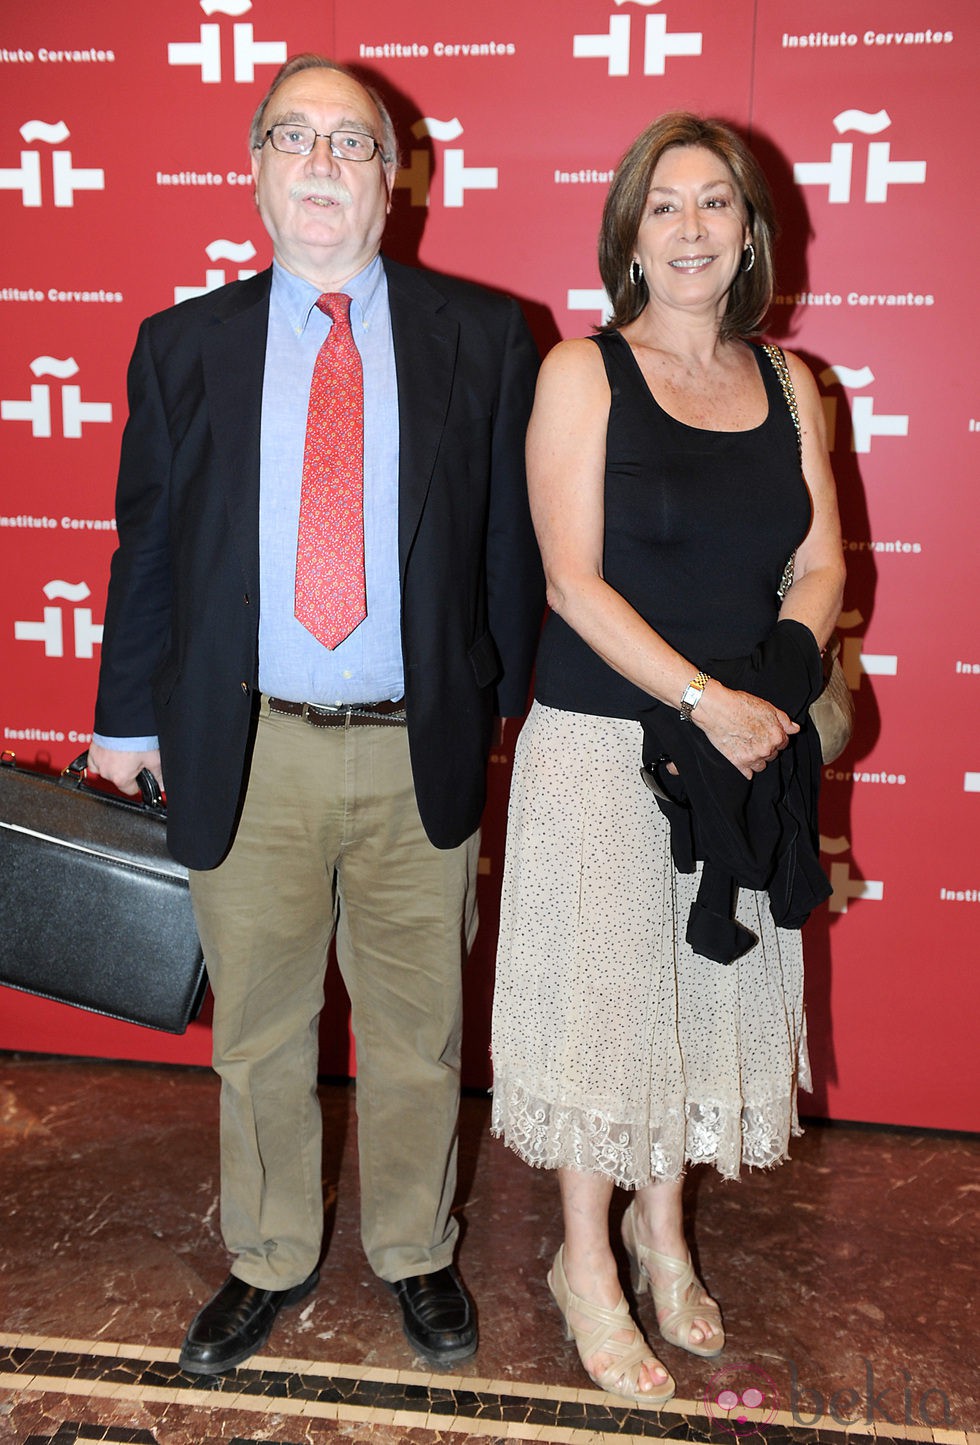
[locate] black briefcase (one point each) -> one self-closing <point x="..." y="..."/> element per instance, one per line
<point x="95" y="912"/>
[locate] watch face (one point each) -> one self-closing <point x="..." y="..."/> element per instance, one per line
<point x="692" y="694"/>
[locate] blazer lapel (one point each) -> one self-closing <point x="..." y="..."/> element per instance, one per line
<point x="425" y="342"/>
<point x="233" y="360"/>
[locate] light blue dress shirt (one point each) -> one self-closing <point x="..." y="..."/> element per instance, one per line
<point x="367" y="665"/>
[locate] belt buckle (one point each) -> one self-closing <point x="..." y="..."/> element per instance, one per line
<point x="312" y="711"/>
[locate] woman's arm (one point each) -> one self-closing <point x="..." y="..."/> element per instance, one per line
<point x="817" y="592"/>
<point x="566" y="469"/>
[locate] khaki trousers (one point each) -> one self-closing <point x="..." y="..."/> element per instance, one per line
<point x="330" y="837"/>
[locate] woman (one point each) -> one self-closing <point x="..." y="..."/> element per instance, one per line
<point x="667" y="497"/>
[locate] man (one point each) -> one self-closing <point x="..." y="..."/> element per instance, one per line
<point x="320" y="686"/>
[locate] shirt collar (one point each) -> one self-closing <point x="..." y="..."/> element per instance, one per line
<point x="297" y="298"/>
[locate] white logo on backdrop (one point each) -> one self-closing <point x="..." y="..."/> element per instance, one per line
<point x="881" y="171"/>
<point x="457" y="177"/>
<point x="586" y="299"/>
<point x="866" y="423"/>
<point x="36" y="408"/>
<point x="659" y="43"/>
<point x="845" y="887"/>
<point x="854" y="661"/>
<point x="971" y="782"/>
<point x="247" y="52"/>
<point x="215" y="276"/>
<point x="51" y="629"/>
<point x="66" y="177"/>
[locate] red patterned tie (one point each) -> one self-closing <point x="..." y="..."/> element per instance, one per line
<point x="330" y="595"/>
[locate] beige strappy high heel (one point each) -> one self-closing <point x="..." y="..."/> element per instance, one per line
<point x="678" y="1304"/>
<point x="620" y="1377"/>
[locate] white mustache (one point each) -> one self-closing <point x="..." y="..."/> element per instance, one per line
<point x="321" y="186"/>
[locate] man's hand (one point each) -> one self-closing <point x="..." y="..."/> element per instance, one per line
<point x="121" y="768"/>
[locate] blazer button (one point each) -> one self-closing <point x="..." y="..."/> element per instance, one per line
<point x="244" y="687"/>
<point x="245" y="599"/>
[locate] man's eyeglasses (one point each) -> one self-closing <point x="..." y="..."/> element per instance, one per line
<point x="299" y="140"/>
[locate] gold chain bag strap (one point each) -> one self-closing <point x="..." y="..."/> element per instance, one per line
<point x="832" y="714"/>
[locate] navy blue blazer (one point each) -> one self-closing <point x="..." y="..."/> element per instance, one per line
<point x="180" y="648"/>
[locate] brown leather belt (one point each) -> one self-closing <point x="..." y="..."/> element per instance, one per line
<point x="346" y="715"/>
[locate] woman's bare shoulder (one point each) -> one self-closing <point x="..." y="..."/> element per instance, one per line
<point x="575" y="363"/>
<point x="800" y="373"/>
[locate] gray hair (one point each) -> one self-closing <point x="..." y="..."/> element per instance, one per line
<point x="310" y="61"/>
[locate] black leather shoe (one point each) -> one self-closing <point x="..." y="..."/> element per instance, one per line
<point x="236" y="1323"/>
<point x="438" y="1315"/>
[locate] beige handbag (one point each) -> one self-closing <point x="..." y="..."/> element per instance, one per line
<point x="832" y="714"/>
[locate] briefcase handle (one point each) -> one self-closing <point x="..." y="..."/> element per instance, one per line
<point x="151" y="800"/>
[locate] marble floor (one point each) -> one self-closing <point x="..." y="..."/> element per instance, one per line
<point x="848" y="1279"/>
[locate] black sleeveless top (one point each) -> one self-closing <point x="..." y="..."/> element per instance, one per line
<point x="699" y="526"/>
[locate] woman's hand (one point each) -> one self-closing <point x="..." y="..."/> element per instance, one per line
<point x="746" y="730"/>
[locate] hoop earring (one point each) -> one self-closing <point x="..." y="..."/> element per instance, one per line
<point x="636" y="272"/>
<point x="748" y="259"/>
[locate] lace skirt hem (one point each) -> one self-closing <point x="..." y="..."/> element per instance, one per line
<point x="565" y="1136"/>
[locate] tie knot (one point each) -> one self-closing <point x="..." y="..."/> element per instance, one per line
<point x="336" y="305"/>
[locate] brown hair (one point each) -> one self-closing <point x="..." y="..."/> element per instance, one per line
<point x="310" y="61"/>
<point x="751" y="291"/>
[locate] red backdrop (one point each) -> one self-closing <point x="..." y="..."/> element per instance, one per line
<point x="124" y="186"/>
